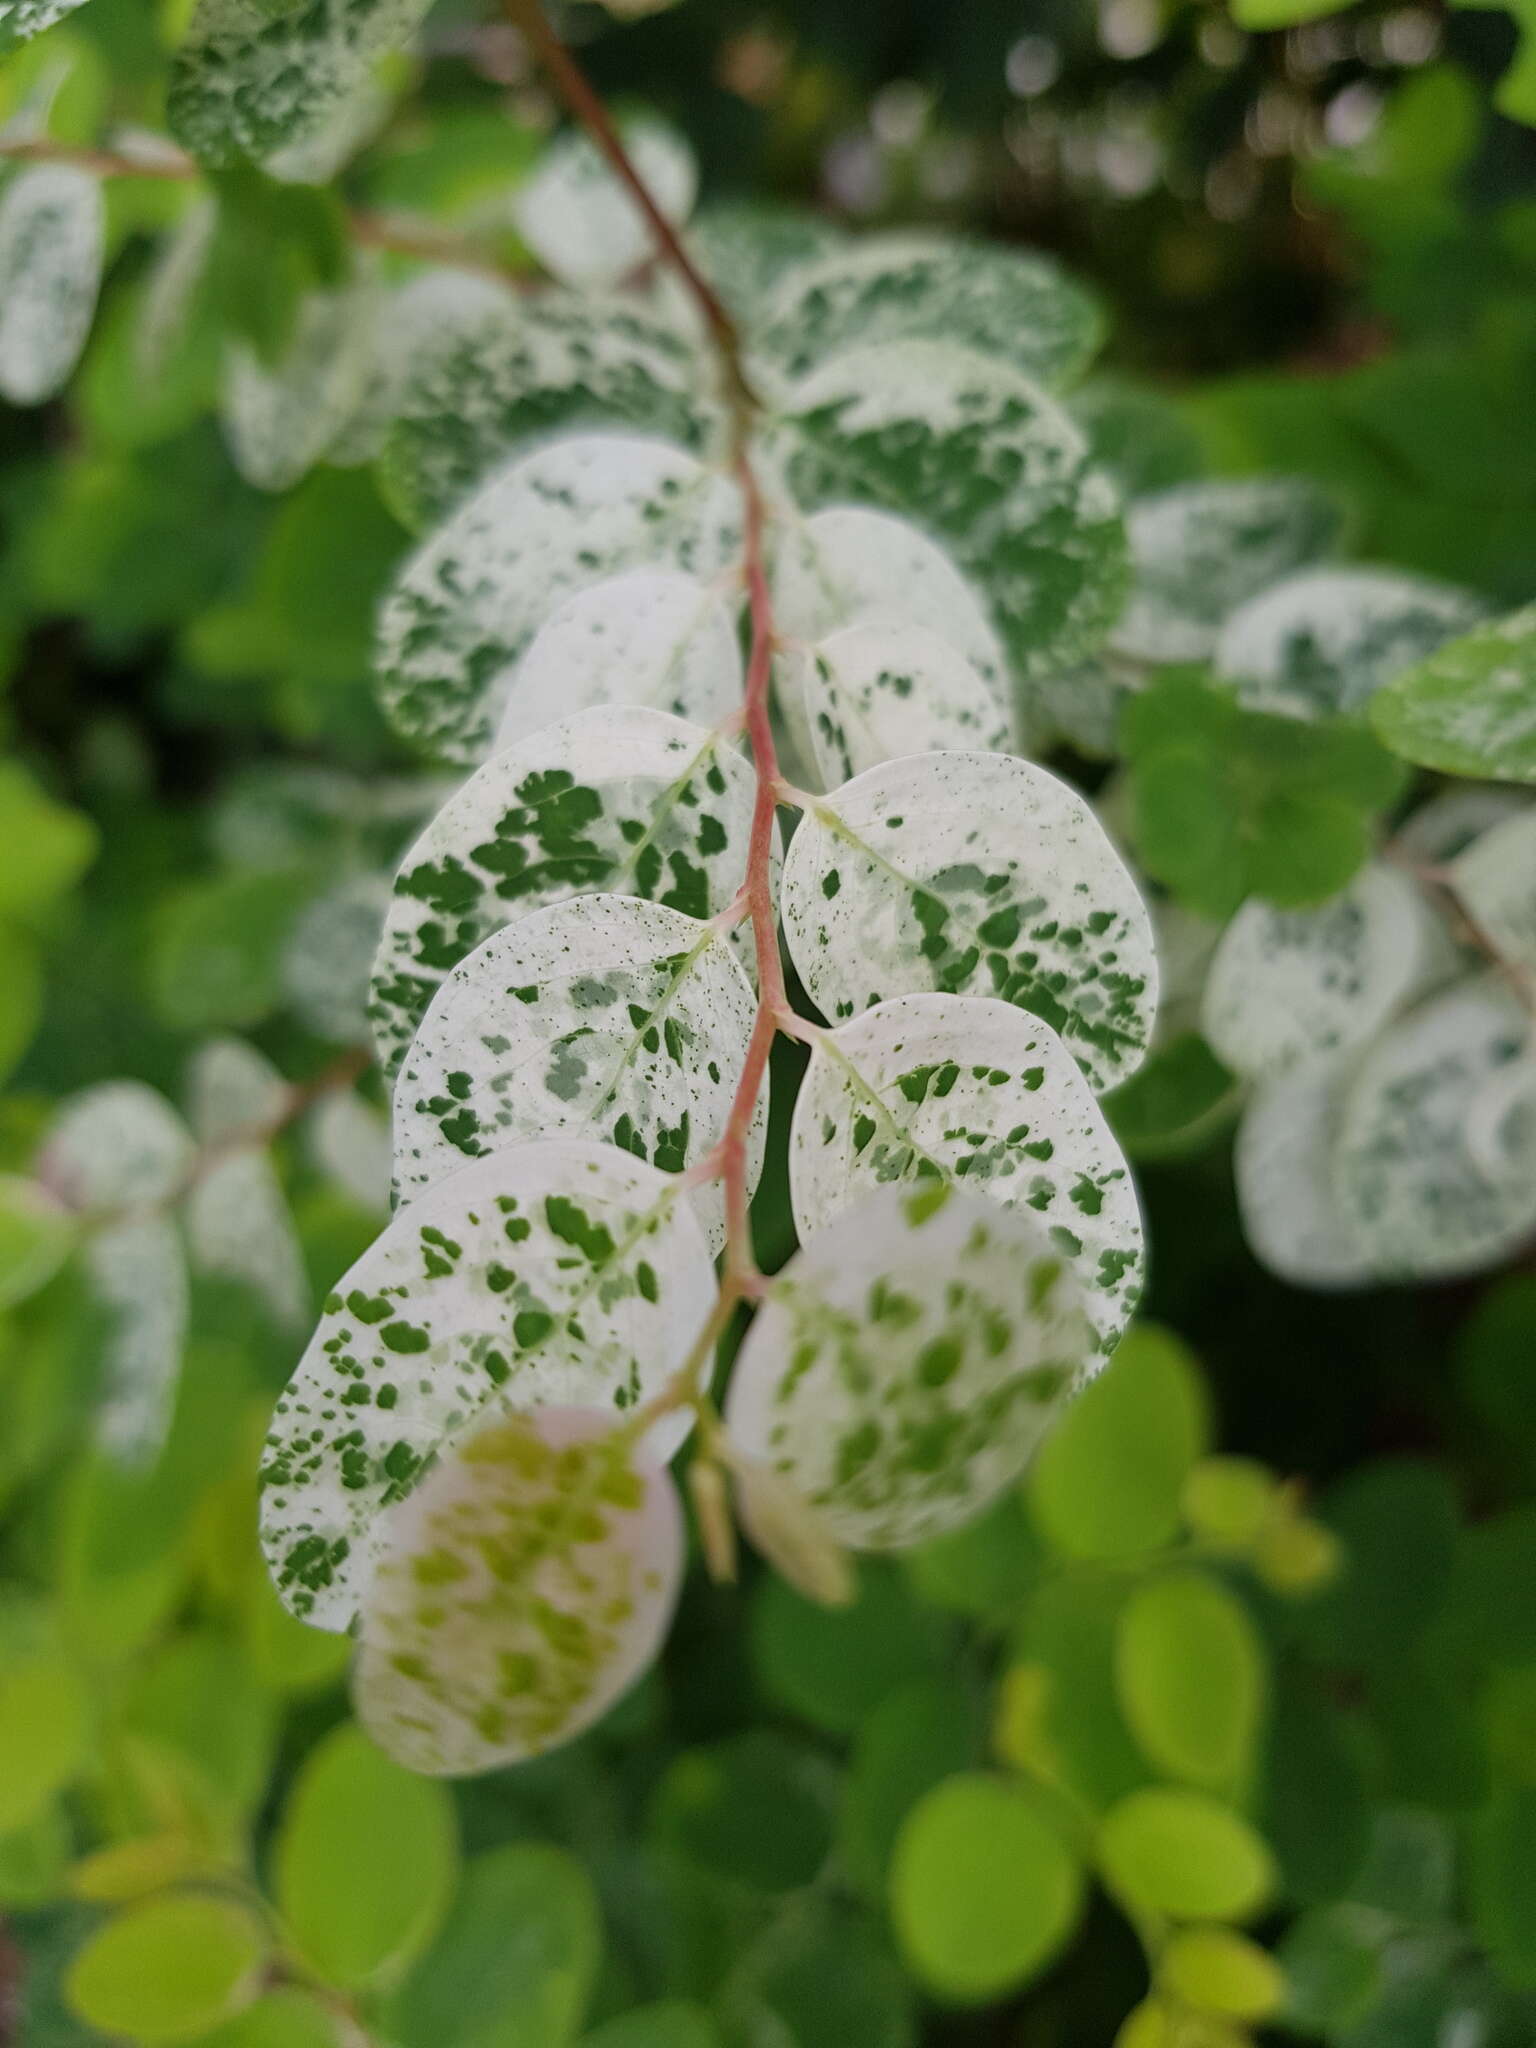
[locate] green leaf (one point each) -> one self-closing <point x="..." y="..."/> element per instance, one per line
<point x="168" y="1970"/>
<point x="285" y="2018"/>
<point x="218" y="955"/>
<point x="1313" y="1799"/>
<point x="987" y="1569"/>
<point x="273" y="245"/>
<point x="1218" y="1971"/>
<point x="48" y="845"/>
<point x="754" y="1810"/>
<point x="833" y="1666"/>
<point x="515" y="1962"/>
<point x="36" y="1237"/>
<point x="1470" y="709"/>
<point x="364" y="1863"/>
<point x="821" y="1976"/>
<point x="917" y="1736"/>
<point x="1182" y="1853"/>
<point x="984" y="1891"/>
<point x="1192" y="1678"/>
<point x="1263" y="14"/>
<point x="21" y="994"/>
<point x="44" y="1733"/>
<point x="1332" y="1962"/>
<point x="1059" y="1717"/>
<point x="673" y="2023"/>
<point x="1397" y="1521"/>
<point x="1228" y="803"/>
<point x="1179" y="1102"/>
<point x="1108" y="1480"/>
<point x="198" y="1695"/>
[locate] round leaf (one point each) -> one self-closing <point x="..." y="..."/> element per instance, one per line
<point x="875" y="691"/>
<point x="168" y="1970"/>
<point x="1170" y="1851"/>
<point x="52" y="236"/>
<point x="1467" y="709"/>
<point x="1191" y="1675"/>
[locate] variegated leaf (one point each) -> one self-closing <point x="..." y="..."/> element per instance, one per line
<point x="22" y="19"/>
<point x="280" y="419"/>
<point x="1495" y="878"/>
<point x="119" y="1145"/>
<point x="967" y="1090"/>
<point x="523" y="1586"/>
<point x="987" y="464"/>
<point x="52" y="238"/>
<point x="1004" y="302"/>
<point x="1470" y="708"/>
<point x="1290" y="986"/>
<point x="626" y="802"/>
<point x="581" y="222"/>
<point x="1325" y="640"/>
<point x="650" y="636"/>
<point x="349" y="1142"/>
<point x="239" y="1225"/>
<point x="906" y="1362"/>
<point x="606" y="1018"/>
<point x="876" y="691"/>
<point x="1200" y="550"/>
<point x="469" y="601"/>
<point x="329" y="957"/>
<point x="550" y="1275"/>
<point x="1446" y="825"/>
<point x="973" y="874"/>
<point x="746" y="250"/>
<point x="138" y="1273"/>
<point x="1286" y="1196"/>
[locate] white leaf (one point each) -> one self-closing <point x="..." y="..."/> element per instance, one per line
<point x="1284" y="1168"/>
<point x="552" y="1275"/>
<point x="279" y="419"/>
<point x="1449" y="821"/>
<point x="1496" y="880"/>
<point x="329" y="957"/>
<point x="52" y="236"/>
<point x="999" y="301"/>
<point x="875" y="691"/>
<point x="790" y="1534"/>
<point x="1288" y="986"/>
<point x="980" y="874"/>
<point x="1201" y="549"/>
<point x="650" y="636"/>
<point x="905" y="1363"/>
<point x="966" y="1090"/>
<point x="138" y="1272"/>
<point x="581" y="222"/>
<point x="990" y="465"/>
<point x="1324" y="640"/>
<point x="1405" y="1169"/>
<point x="607" y="1018"/>
<point x="238" y="1222"/>
<point x="472" y="597"/>
<point x="553" y="1556"/>
<point x="626" y="802"/>
<point x="350" y="1144"/>
<point x="116" y="1146"/>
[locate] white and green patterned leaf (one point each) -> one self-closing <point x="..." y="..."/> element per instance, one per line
<point x="349" y="1142"/>
<point x="52" y="238"/>
<point x="22" y="19"/>
<point x="561" y="1274"/>
<point x="1449" y="821"/>
<point x="1080" y="706"/>
<point x="746" y="250"/>
<point x="1496" y="881"/>
<point x="137" y="1271"/>
<point x="1200" y="550"/>
<point x="906" y="1362"/>
<point x="625" y="802"/>
<point x="988" y="465"/>
<point x="607" y="1018"/>
<point x="875" y="691"/>
<point x="476" y="374"/>
<point x="650" y="636"/>
<point x="416" y="326"/>
<point x="973" y="874"/>
<point x="280" y="419"/>
<point x="1470" y="709"/>
<point x="329" y="957"/>
<point x="323" y="148"/>
<point x="524" y="1585"/>
<point x="579" y="220"/>
<point x="239" y="1225"/>
<point x="1324" y="640"/>
<point x="119" y="1145"/>
<point x="970" y="1091"/>
<point x="1290" y="986"/>
<point x="1286" y="1197"/>
<point x="469" y="601"/>
<point x="1415" y="1182"/>
<point x="249" y="81"/>
<point x="1009" y="303"/>
<point x="175" y="277"/>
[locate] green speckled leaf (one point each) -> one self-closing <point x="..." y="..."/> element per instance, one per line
<point x="417" y="326"/>
<point x="1284" y="1169"/>
<point x="238" y="1221"/>
<point x="280" y="419"/>
<point x="250" y="80"/>
<point x="1201" y="549"/>
<point x="1471" y="708"/>
<point x="625" y="801"/>
<point x="606" y="1018"/>
<point x="138" y="1273"/>
<point x="1411" y="1165"/>
<point x="988" y="465"/>
<point x="1289" y="986"/>
<point x="469" y="601"/>
<point x="523" y="1586"/>
<point x="479" y="373"/>
<point x="1325" y="640"/>
<point x="967" y="1090"/>
<point x="973" y="874"/>
<point x="905" y="1363"/>
<point x="21" y="19"/>
<point x="875" y="691"/>
<point x="1009" y="303"/>
<point x="746" y="250"/>
<point x="548" y="1275"/>
<point x="650" y="637"/>
<point x="52" y="232"/>
<point x="579" y="220"/>
<point x="1495" y="879"/>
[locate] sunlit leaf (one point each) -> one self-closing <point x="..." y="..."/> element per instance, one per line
<point x="170" y="1969"/>
<point x="1191" y="1674"/>
<point x="1166" y="1850"/>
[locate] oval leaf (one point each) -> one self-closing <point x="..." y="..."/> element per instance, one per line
<point x="875" y="691"/>
<point x="1283" y="1161"/>
<point x="1495" y="879"/>
<point x="1470" y="709"/>
<point x="170" y="1969"/>
<point x="581" y="222"/>
<point x="280" y="418"/>
<point x="238" y="1221"/>
<point x="1190" y="1674"/>
<point x="52" y="240"/>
